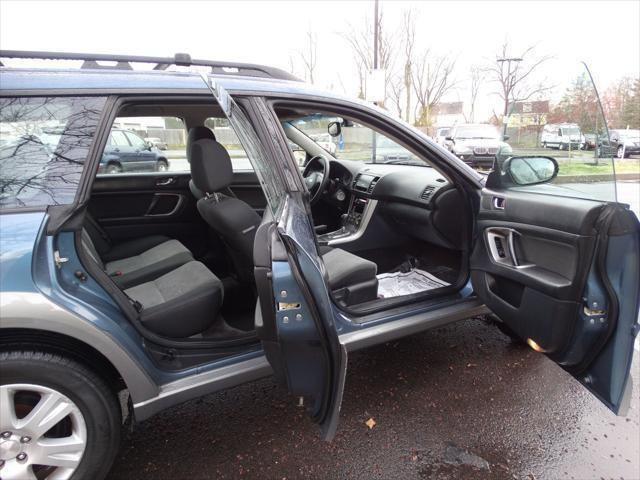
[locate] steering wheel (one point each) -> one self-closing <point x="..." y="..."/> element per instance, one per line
<point x="316" y="177"/>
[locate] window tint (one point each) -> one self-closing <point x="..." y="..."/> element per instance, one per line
<point x="145" y="144"/>
<point x="44" y="142"/>
<point x="228" y="138"/>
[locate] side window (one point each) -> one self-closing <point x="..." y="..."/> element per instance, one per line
<point x="44" y="142"/>
<point x="228" y="138"/>
<point x="145" y="145"/>
<point x="582" y="150"/>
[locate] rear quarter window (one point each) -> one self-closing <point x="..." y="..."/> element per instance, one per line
<point x="44" y="143"/>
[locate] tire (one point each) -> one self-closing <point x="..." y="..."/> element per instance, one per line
<point x="162" y="166"/>
<point x="620" y="151"/>
<point x="113" y="168"/>
<point x="26" y="377"/>
<point x="544" y="144"/>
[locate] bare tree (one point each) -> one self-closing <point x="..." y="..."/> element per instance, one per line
<point x="513" y="74"/>
<point x="432" y="79"/>
<point x="361" y="43"/>
<point x="409" y="32"/>
<point x="396" y="89"/>
<point x="477" y="77"/>
<point x="309" y="56"/>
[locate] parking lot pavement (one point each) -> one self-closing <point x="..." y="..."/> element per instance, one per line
<point x="457" y="402"/>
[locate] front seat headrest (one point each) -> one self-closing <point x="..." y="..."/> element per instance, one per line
<point x="197" y="133"/>
<point x="211" y="168"/>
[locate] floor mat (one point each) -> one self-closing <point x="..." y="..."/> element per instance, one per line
<point x="405" y="283"/>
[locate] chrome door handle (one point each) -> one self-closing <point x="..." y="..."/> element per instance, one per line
<point x="163" y="182"/>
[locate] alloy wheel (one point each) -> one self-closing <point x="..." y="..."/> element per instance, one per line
<point x="43" y="434"/>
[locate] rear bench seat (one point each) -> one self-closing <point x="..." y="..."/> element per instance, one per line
<point x="179" y="297"/>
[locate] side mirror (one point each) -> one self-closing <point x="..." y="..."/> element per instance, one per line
<point x="505" y="138"/>
<point x="334" y="129"/>
<point x="530" y="170"/>
<point x="449" y="138"/>
<point x="149" y="145"/>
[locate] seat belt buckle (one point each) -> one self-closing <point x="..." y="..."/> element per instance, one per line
<point x="117" y="273"/>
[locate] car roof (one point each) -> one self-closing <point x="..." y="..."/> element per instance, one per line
<point x="105" y="80"/>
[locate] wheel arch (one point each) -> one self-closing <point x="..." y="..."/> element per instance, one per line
<point x="64" y="331"/>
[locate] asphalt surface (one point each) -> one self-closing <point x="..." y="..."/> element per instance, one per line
<point x="461" y="401"/>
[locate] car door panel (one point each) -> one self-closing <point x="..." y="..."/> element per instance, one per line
<point x="538" y="265"/>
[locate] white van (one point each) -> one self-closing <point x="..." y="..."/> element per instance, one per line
<point x="562" y="136"/>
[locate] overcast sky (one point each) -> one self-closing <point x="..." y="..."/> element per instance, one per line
<point x="605" y="34"/>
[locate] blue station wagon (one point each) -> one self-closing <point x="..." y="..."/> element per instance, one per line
<point x="246" y="261"/>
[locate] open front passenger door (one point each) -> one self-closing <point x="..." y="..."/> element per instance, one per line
<point x="559" y="263"/>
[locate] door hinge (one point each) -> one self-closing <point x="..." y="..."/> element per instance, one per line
<point x="58" y="260"/>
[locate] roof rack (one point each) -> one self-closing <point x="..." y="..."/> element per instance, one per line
<point x="123" y="62"/>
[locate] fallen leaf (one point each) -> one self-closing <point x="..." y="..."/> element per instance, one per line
<point x="370" y="423"/>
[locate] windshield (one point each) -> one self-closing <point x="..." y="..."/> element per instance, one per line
<point x="476" y="131"/>
<point x="443" y="132"/>
<point x="629" y="134"/>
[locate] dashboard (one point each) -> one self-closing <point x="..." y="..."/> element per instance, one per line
<point x="417" y="201"/>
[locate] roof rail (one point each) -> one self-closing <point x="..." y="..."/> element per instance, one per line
<point x="123" y="62"/>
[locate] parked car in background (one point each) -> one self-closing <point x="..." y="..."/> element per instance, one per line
<point x="621" y="143"/>
<point x="477" y="145"/>
<point x="127" y="151"/>
<point x="157" y="142"/>
<point x="441" y="135"/>
<point x="562" y="136"/>
<point x="590" y="141"/>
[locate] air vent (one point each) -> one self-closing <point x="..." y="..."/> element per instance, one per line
<point x="372" y="184"/>
<point x="355" y="181"/>
<point x="427" y="192"/>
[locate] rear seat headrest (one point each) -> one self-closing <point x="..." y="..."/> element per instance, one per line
<point x="197" y="133"/>
<point x="211" y="168"/>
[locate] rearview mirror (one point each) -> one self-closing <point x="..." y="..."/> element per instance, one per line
<point x="530" y="170"/>
<point x="334" y="129"/>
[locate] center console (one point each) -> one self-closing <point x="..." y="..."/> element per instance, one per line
<point x="354" y="222"/>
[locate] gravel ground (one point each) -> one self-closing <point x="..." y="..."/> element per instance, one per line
<point x="457" y="402"/>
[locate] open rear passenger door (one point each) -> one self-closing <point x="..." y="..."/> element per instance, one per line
<point x="294" y="314"/>
<point x="559" y="262"/>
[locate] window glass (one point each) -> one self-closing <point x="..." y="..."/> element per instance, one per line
<point x="272" y="183"/>
<point x="44" y="142"/>
<point x="228" y="138"/>
<point x="118" y="139"/>
<point x="145" y="144"/>
<point x="355" y="142"/>
<point x="136" y="141"/>
<point x="573" y="132"/>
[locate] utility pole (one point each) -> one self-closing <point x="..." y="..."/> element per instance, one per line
<point x="376" y="24"/>
<point x="510" y="85"/>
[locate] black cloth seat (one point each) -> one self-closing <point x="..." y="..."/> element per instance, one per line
<point x="179" y="303"/>
<point x="197" y="133"/>
<point x="135" y="261"/>
<point x="352" y="278"/>
<point x="232" y="219"/>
